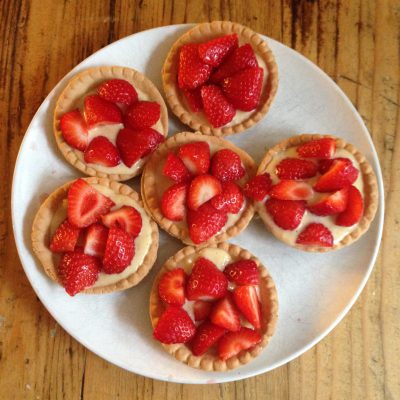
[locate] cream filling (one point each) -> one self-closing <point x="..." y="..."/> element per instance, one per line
<point x="338" y="232"/>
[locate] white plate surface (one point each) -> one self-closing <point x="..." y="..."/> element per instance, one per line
<point x="315" y="290"/>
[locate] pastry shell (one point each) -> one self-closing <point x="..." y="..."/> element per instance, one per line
<point x="370" y="195"/>
<point x="40" y="236"/>
<point x="269" y="309"/>
<point x="149" y="184"/>
<point x="87" y="81"/>
<point x="202" y="33"/>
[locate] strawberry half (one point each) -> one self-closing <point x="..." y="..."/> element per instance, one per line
<point x="295" y="168"/>
<point x="196" y="157"/>
<point x="206" y="282"/>
<point x="173" y="202"/>
<point x="99" y="111"/>
<point x="230" y="200"/>
<point x="74" y="130"/>
<point x="201" y="189"/>
<point x="319" y="148"/>
<point x="102" y="151"/>
<point x="246" y="300"/>
<point x="64" y="238"/>
<point x="175" y="169"/>
<point x="291" y="190"/>
<point x="324" y="165"/>
<point x="126" y="218"/>
<point x="243" y="272"/>
<point x="207" y="334"/>
<point x="226" y="166"/>
<point x="142" y="114"/>
<point x="95" y="240"/>
<point x="193" y="97"/>
<point x="225" y="314"/>
<point x="214" y="51"/>
<point x="118" y="91"/>
<point x="354" y="209"/>
<point x="331" y="203"/>
<point x="85" y="204"/>
<point x="201" y="310"/>
<point x="315" y="235"/>
<point x="258" y="188"/>
<point x="287" y="214"/>
<point x="171" y="287"/>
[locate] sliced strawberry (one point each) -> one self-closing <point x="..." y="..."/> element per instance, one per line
<point x="118" y="91"/>
<point x="232" y="343"/>
<point x="291" y="190"/>
<point x="295" y="168"/>
<point x="171" y="287"/>
<point x="207" y="334"/>
<point x="243" y="272"/>
<point x="201" y="189"/>
<point x="230" y="200"/>
<point x="287" y="214"/>
<point x="225" y="314"/>
<point x="214" y="51"/>
<point x="193" y="97"/>
<point x="206" y="282"/>
<point x="227" y="166"/>
<point x="192" y="71"/>
<point x="174" y="326"/>
<point x="102" y="151"/>
<point x="78" y="271"/>
<point x="354" y="209"/>
<point x="196" y="157"/>
<point x="175" y="169"/>
<point x="319" y="148"/>
<point x="258" y="187"/>
<point x="119" y="252"/>
<point x="95" y="240"/>
<point x="126" y="218"/>
<point x="315" y="235"/>
<point x="173" y="202"/>
<point x="85" y="204"/>
<point x="218" y="110"/>
<point x="64" y="238"/>
<point x="339" y="175"/>
<point x="243" y="89"/>
<point x="74" y="130"/>
<point x="99" y="111"/>
<point x="324" y="165"/>
<point x="142" y="114"/>
<point x="246" y="300"/>
<point x="329" y="204"/>
<point x="201" y="309"/>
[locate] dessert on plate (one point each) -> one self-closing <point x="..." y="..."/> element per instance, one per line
<point x="213" y="308"/>
<point x="93" y="235"/>
<point x="192" y="187"/>
<point x="220" y="78"/>
<point x="108" y="120"/>
<point x="315" y="192"/>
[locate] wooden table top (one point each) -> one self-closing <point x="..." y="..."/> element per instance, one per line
<point x="356" y="42"/>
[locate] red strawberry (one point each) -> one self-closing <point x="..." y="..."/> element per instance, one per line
<point x="241" y="58"/>
<point x="193" y="97"/>
<point x="315" y="235"/>
<point x="230" y="200"/>
<point x="173" y="202"/>
<point x="102" y="151"/>
<point x="218" y="110"/>
<point x="246" y="300"/>
<point x="205" y="223"/>
<point x="324" y="165"/>
<point x="95" y="240"/>
<point x="243" y="89"/>
<point x="329" y="204"/>
<point x="295" y="168"/>
<point x="118" y="91"/>
<point x="142" y="114"/>
<point x="319" y="148"/>
<point x="232" y="343"/>
<point x="192" y="71"/>
<point x="206" y="282"/>
<point x="201" y="189"/>
<point x="207" y="334"/>
<point x="291" y="190"/>
<point x="226" y="166"/>
<point x="287" y="214"/>
<point x="74" y="130"/>
<point x="99" y="111"/>
<point x="225" y="314"/>
<point x="174" y="326"/>
<point x="243" y="272"/>
<point x="258" y="187"/>
<point x="215" y="50"/>
<point x="175" y="169"/>
<point x="78" y="271"/>
<point x="354" y="209"/>
<point x="64" y="238"/>
<point x="201" y="309"/>
<point x="171" y="287"/>
<point x="120" y="249"/>
<point x="126" y="218"/>
<point x="85" y="204"/>
<point x="134" y="145"/>
<point x="339" y="175"/>
<point x="196" y="157"/>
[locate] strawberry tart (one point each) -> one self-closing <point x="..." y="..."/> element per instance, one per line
<point x="192" y="187"/>
<point x="93" y="235"/>
<point x="220" y="78"/>
<point x="213" y="308"/>
<point x="315" y="192"/>
<point x="108" y="120"/>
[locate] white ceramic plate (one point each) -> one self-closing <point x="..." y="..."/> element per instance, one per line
<point x="315" y="290"/>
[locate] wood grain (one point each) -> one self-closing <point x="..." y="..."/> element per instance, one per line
<point x="356" y="42"/>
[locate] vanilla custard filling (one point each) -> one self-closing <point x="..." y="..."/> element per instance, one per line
<point x="338" y="232"/>
<point x="142" y="241"/>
